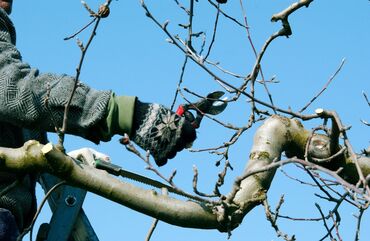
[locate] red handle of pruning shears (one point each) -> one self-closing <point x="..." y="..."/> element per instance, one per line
<point x="211" y="104"/>
<point x="180" y="110"/>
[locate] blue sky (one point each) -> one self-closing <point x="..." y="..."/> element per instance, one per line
<point x="131" y="57"/>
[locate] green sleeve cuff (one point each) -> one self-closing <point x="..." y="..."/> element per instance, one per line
<point x="120" y="116"/>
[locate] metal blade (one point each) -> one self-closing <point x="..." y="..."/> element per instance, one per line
<point x="144" y="180"/>
<point x="217" y="108"/>
<point x="215" y="95"/>
<point x="118" y="171"/>
<point x="217" y="104"/>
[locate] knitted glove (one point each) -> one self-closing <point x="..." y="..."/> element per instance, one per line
<point x="161" y="131"/>
<point x="151" y="126"/>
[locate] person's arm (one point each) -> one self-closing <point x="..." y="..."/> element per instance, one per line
<point x="37" y="101"/>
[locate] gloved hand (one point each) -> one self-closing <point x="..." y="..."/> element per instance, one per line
<point x="88" y="155"/>
<point x="153" y="127"/>
<point x="161" y="131"/>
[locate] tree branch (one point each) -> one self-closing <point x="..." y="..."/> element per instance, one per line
<point x="276" y="135"/>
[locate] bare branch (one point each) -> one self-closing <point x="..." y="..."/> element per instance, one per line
<point x="329" y="230"/>
<point x="335" y="118"/>
<point x="151" y="230"/>
<point x="213" y="34"/>
<point x="180" y="81"/>
<point x="325" y="86"/>
<point x="366" y="98"/>
<point x="359" y="219"/>
<point x="130" y="147"/>
<point x="248" y="190"/>
<point x="102" y="13"/>
<point x="273" y="218"/>
<point x="226" y="15"/>
<point x="283" y="15"/>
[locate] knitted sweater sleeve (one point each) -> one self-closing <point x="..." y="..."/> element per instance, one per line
<point x="36" y="101"/>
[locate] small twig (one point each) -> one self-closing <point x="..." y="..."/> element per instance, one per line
<point x="226" y="15"/>
<point x="81" y="30"/>
<point x="214" y="33"/>
<point x="170" y="179"/>
<point x="328" y="159"/>
<point x="130" y="147"/>
<point x="300" y="219"/>
<point x="258" y="56"/>
<point x="92" y="13"/>
<point x="325" y="86"/>
<point x="125" y="140"/>
<point x="200" y="62"/>
<point x="283" y="15"/>
<point x="190" y="25"/>
<point x="195" y="183"/>
<point x="366" y="98"/>
<point x="182" y="7"/>
<point x="368" y="103"/>
<point x="358" y="227"/>
<point x="218" y="184"/>
<point x="330" y="215"/>
<point x="297" y="180"/>
<point x="329" y="196"/>
<point x="180" y="81"/>
<point x="238" y="76"/>
<point x="324" y="221"/>
<point x="221" y="178"/>
<point x="102" y="13"/>
<point x="272" y="218"/>
<point x="336" y="225"/>
<point x="231" y="141"/>
<point x="274" y="164"/>
<point x="365" y="122"/>
<point x="151" y="230"/>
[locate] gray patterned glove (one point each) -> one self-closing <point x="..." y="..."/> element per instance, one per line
<point x="161" y="131"/>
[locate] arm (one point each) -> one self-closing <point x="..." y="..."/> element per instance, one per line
<point x="37" y="101"/>
<point x="32" y="100"/>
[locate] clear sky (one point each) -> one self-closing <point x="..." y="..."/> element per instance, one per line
<point x="130" y="56"/>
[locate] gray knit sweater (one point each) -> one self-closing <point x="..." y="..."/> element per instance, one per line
<point x="23" y="94"/>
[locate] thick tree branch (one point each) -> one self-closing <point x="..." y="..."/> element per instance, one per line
<point x="277" y="135"/>
<point x="34" y="157"/>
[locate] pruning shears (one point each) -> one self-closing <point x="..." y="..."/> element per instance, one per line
<point x="211" y="104"/>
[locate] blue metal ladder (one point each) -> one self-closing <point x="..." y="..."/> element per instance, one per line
<point x="68" y="222"/>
